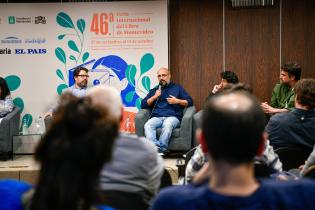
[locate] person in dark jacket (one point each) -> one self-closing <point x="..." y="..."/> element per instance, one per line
<point x="167" y="102"/>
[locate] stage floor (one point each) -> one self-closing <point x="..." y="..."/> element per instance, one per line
<point x="24" y="167"/>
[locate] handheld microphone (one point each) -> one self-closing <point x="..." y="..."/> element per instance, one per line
<point x="160" y="89"/>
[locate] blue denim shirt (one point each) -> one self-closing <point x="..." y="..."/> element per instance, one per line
<point x="161" y="108"/>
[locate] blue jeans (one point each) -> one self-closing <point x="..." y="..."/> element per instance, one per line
<point x="168" y="124"/>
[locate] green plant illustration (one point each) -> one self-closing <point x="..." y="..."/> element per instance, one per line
<point x="75" y="42"/>
<point x="14" y="83"/>
<point x="141" y="82"/>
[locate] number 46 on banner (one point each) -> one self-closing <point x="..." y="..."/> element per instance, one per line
<point x="100" y="23"/>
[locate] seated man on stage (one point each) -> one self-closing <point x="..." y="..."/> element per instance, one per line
<point x="167" y="102"/>
<point x="282" y="99"/>
<point x="80" y="76"/>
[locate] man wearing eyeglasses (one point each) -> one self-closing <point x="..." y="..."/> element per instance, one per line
<point x="80" y="76"/>
<point x="166" y="102"/>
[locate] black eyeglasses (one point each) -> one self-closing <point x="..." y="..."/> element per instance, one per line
<point x="82" y="75"/>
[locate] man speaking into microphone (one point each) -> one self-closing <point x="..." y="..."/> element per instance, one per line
<point x="166" y="102"/>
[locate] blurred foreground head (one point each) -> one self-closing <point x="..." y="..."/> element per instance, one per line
<point x="72" y="153"/>
<point x="107" y="97"/>
<point x="233" y="126"/>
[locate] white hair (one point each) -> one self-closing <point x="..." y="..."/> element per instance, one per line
<point x="108" y="97"/>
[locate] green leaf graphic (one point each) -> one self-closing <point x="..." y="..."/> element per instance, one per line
<point x="60" y="55"/>
<point x="64" y="20"/>
<point x="81" y="25"/>
<point x="13" y="82"/>
<point x="129" y="96"/>
<point x="60" y="74"/>
<point x="85" y="56"/>
<point x="72" y="45"/>
<point x="60" y="88"/>
<point x="146" y="82"/>
<point x="28" y="118"/>
<point x="60" y="37"/>
<point x="146" y="63"/>
<point x="19" y="102"/>
<point x="131" y="73"/>
<point x="72" y="58"/>
<point x="138" y="103"/>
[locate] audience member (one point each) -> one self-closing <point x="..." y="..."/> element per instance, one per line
<point x="282" y="99"/>
<point x="227" y="77"/>
<point x="6" y="102"/>
<point x="232" y="184"/>
<point x="136" y="166"/>
<point x="298" y="126"/>
<point x="167" y="102"/>
<point x="80" y="76"/>
<point x="309" y="162"/>
<point x="269" y="157"/>
<point x="71" y="155"/>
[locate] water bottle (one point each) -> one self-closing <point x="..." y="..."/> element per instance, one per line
<point x="40" y="126"/>
<point x="24" y="127"/>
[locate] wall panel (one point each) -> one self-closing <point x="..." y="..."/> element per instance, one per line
<point x="298" y="34"/>
<point x="252" y="46"/>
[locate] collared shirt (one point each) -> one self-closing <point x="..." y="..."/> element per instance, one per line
<point x="161" y="108"/>
<point x="291" y="128"/>
<point x="282" y="97"/>
<point x="76" y="91"/>
<point x="6" y="106"/>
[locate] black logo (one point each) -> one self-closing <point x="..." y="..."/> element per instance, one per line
<point x="40" y="19"/>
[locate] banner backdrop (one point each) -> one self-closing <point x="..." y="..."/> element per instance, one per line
<point x="123" y="44"/>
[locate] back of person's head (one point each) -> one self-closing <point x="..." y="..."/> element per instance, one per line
<point x="233" y="125"/>
<point x="305" y="92"/>
<point x="238" y="87"/>
<point x="72" y="153"/>
<point x="229" y="76"/>
<point x="108" y="97"/>
<point x="4" y="89"/>
<point x="293" y="69"/>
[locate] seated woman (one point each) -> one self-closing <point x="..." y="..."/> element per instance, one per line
<point x="6" y="102"/>
<point x="71" y="155"/>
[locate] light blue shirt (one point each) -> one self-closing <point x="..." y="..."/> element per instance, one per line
<point x="78" y="92"/>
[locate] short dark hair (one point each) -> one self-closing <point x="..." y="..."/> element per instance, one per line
<point x="5" y="91"/>
<point x="238" y="87"/>
<point x="77" y="70"/>
<point x="292" y="68"/>
<point x="245" y="125"/>
<point x="229" y="76"/>
<point x="72" y="153"/>
<point x="305" y="92"/>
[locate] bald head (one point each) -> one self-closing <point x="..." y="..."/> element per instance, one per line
<point x="233" y="102"/>
<point x="108" y="97"/>
<point x="233" y="126"/>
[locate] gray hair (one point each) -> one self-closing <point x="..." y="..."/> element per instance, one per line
<point x="108" y="97"/>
